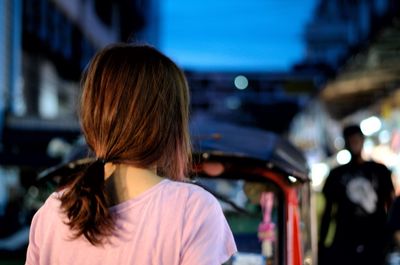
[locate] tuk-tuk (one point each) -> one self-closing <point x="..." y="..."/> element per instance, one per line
<point x="263" y="184"/>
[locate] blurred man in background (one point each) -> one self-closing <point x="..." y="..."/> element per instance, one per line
<point x="357" y="197"/>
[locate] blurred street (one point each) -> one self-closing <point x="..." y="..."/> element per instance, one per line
<point x="300" y="70"/>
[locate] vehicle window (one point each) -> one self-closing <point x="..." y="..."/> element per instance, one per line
<point x="240" y="201"/>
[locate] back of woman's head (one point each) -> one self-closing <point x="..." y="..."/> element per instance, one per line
<point x="134" y="111"/>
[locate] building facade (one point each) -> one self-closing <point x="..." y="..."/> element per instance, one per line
<point x="45" y="46"/>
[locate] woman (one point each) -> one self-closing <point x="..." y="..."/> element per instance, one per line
<point x="130" y="206"/>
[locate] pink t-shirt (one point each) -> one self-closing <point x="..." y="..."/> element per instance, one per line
<point x="171" y="223"/>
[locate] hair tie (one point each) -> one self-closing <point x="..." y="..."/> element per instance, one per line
<point x="101" y="161"/>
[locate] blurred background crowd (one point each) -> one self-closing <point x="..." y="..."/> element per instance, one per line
<point x="301" y="69"/>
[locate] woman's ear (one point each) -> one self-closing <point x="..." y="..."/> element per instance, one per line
<point x="109" y="169"/>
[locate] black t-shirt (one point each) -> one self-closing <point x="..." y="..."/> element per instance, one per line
<point x="359" y="192"/>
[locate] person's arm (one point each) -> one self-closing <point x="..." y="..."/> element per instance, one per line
<point x="207" y="238"/>
<point x="390" y="192"/>
<point x="325" y="221"/>
<point x="328" y="193"/>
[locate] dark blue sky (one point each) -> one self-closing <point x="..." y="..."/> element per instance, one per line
<point x="234" y="35"/>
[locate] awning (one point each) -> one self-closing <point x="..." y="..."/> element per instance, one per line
<point x="368" y="77"/>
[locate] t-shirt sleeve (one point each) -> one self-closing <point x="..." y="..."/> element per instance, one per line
<point x="38" y="231"/>
<point x="32" y="255"/>
<point x="207" y="238"/>
<point x="330" y="188"/>
<point x="394" y="215"/>
<point x="388" y="184"/>
<point x="387" y="190"/>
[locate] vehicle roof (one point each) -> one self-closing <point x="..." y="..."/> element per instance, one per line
<point x="267" y="148"/>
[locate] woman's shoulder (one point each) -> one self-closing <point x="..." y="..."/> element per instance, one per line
<point x="48" y="212"/>
<point x="52" y="202"/>
<point x="192" y="193"/>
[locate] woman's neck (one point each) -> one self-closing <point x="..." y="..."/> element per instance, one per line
<point x="124" y="182"/>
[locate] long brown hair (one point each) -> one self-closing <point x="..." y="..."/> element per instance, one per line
<point x="134" y="110"/>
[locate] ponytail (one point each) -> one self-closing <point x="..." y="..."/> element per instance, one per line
<point x="84" y="201"/>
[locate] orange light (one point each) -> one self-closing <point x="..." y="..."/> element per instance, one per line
<point x="213" y="169"/>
